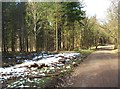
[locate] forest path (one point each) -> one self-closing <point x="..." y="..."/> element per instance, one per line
<point x="100" y="69"/>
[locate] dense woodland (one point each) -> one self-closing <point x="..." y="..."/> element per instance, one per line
<point x="54" y="26"/>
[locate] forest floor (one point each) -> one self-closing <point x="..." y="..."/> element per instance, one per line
<point x="100" y="69"/>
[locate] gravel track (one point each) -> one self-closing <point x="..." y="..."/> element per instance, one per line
<point x="100" y="69"/>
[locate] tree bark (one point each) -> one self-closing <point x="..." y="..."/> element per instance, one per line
<point x="56" y="29"/>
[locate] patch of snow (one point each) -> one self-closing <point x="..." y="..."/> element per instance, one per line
<point x="21" y="70"/>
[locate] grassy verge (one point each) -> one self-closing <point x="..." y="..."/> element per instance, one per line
<point x="85" y="53"/>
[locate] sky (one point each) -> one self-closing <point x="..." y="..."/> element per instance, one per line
<point x="97" y="7"/>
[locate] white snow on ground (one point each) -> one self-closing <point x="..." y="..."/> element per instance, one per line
<point x="21" y="70"/>
<point x="50" y="60"/>
<point x="36" y="57"/>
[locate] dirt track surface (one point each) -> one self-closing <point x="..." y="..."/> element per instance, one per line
<point x="100" y="69"/>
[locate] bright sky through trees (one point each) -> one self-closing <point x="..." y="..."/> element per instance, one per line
<point x="97" y="7"/>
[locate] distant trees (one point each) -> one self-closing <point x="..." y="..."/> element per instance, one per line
<point x="111" y="25"/>
<point x="92" y="34"/>
<point x="36" y="26"/>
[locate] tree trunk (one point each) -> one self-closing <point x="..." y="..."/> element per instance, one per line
<point x="56" y="29"/>
<point x="13" y="42"/>
<point x="27" y="47"/>
<point x="73" y="37"/>
<point x="59" y="38"/>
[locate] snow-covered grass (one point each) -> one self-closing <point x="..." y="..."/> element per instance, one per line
<point x="42" y="66"/>
<point x="29" y="83"/>
<point x="39" y="66"/>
